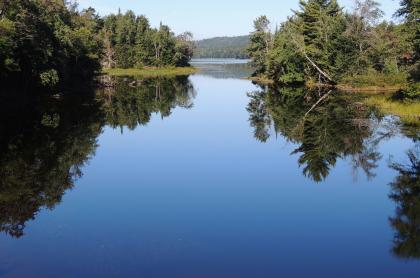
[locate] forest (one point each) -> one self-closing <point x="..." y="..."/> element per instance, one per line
<point x="50" y="44"/>
<point x="321" y="44"/>
<point x="222" y="47"/>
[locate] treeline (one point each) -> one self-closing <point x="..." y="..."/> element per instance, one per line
<point x="46" y="43"/>
<point x="320" y="43"/>
<point x="235" y="52"/>
<point x="130" y="41"/>
<point x="50" y="44"/>
<point x="223" y="47"/>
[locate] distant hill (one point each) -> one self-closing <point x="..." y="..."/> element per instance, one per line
<point x="222" y="47"/>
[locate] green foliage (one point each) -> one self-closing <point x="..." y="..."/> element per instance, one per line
<point x="406" y="193"/>
<point x="43" y="152"/>
<point x="132" y="106"/>
<point x="376" y="79"/>
<point x="47" y="144"/>
<point x="285" y="64"/>
<point x="7" y="30"/>
<point x="51" y="44"/>
<point x="322" y="44"/>
<point x="129" y="42"/>
<point x="47" y="43"/>
<point x="338" y="128"/>
<point x="412" y="91"/>
<point x="184" y="50"/>
<point x="223" y="47"/>
<point x="49" y="78"/>
<point x="52" y="121"/>
<point x="321" y="23"/>
<point x="400" y="105"/>
<point x="151" y="72"/>
<point x="260" y="42"/>
<point x="410" y="12"/>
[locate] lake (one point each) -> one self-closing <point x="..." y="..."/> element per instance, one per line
<point x="207" y="176"/>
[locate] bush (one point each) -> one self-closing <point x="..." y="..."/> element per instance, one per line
<point x="49" y="78"/>
<point x="411" y="93"/>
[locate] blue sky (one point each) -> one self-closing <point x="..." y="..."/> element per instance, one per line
<point x="212" y="18"/>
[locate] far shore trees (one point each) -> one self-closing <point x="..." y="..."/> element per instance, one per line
<point x="322" y="44"/>
<point x="130" y="42"/>
<point x="51" y="45"/>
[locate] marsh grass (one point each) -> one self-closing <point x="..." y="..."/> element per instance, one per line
<point x="375" y="80"/>
<point x="408" y="111"/>
<point x="151" y="72"/>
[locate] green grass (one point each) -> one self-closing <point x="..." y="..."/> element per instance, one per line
<point x="151" y="72"/>
<point x="375" y="81"/>
<point x="408" y="111"/>
<point x="261" y="80"/>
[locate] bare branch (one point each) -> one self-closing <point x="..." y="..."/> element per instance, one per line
<point x="317" y="103"/>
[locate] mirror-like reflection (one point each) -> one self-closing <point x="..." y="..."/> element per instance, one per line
<point x="338" y="127"/>
<point x="220" y="198"/>
<point x="405" y="191"/>
<point x="222" y="69"/>
<point x="343" y="127"/>
<point x="46" y="142"/>
<point x="132" y="102"/>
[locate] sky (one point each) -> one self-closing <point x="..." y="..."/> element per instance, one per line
<point x="206" y="19"/>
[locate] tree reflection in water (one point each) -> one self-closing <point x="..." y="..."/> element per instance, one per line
<point x="405" y="191"/>
<point x="338" y="127"/>
<point x="45" y="143"/>
<point x="132" y="102"/>
<point x="341" y="127"/>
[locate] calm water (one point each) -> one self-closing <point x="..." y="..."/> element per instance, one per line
<point x="207" y="176"/>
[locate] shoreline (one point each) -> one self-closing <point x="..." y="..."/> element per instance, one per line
<point x="369" y="89"/>
<point x="150" y="71"/>
<point x="345" y="88"/>
<point x="408" y="112"/>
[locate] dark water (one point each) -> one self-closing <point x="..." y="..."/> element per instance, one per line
<point x="207" y="176"/>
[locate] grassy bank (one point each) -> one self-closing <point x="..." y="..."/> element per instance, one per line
<point x="374" y="82"/>
<point x="370" y="89"/>
<point x="408" y="111"/>
<point x="151" y="72"/>
<point x="261" y="80"/>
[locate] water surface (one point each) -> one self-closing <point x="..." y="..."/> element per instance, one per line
<point x="207" y="176"/>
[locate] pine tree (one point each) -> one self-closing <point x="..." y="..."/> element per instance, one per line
<point x="410" y="11"/>
<point x="260" y="43"/>
<point x="321" y="25"/>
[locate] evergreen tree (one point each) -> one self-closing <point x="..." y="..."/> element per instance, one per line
<point x="285" y="63"/>
<point x="322" y="44"/>
<point x="144" y="50"/>
<point x="260" y="41"/>
<point x="410" y="11"/>
<point x="129" y="41"/>
<point x="322" y="24"/>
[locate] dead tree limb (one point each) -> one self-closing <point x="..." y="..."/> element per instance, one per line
<point x="317" y="103"/>
<point x="317" y="68"/>
<point x="302" y="49"/>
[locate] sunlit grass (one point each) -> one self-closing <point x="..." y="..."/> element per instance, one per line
<point x="408" y="111"/>
<point x="373" y="80"/>
<point x="151" y="72"/>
